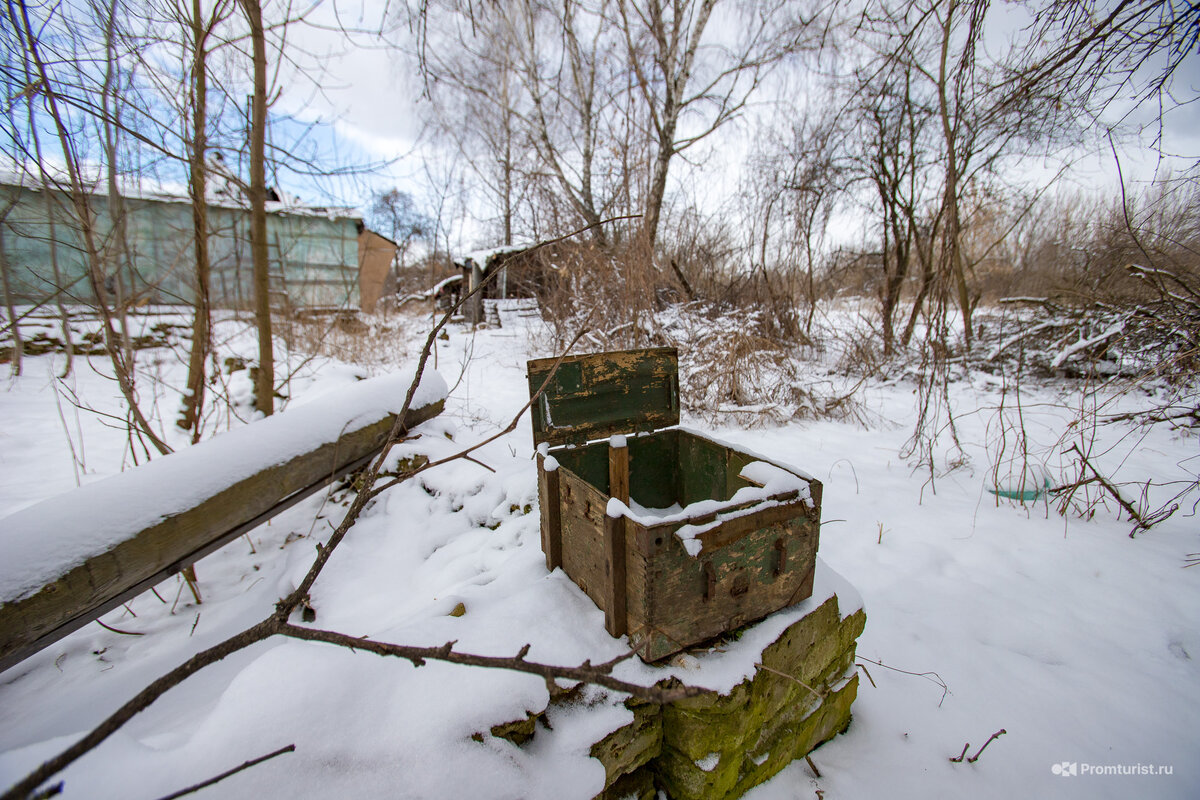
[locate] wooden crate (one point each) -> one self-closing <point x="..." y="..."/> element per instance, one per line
<point x="677" y="537"/>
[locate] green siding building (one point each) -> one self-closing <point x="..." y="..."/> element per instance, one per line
<point x="313" y="251"/>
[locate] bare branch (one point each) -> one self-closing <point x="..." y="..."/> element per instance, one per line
<point x="586" y="672"/>
<point x="228" y="773"/>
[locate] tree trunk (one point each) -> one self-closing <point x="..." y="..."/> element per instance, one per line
<point x="264" y="389"/>
<point x="951" y="255"/>
<point x="8" y="300"/>
<point x="85" y="217"/>
<point x="51" y="213"/>
<point x="193" y="399"/>
<point x="658" y="185"/>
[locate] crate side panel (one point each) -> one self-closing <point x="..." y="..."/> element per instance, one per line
<point x="744" y="584"/>
<point x="701" y="469"/>
<point x="639" y="585"/>
<point x="735" y="462"/>
<point x="589" y="463"/>
<point x="583" y="535"/>
<point x="654" y="467"/>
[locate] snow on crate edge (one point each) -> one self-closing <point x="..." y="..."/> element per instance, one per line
<point x="772" y="479"/>
<point x="46" y="540"/>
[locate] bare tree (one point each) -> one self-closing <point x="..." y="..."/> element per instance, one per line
<point x="264" y="382"/>
<point x="530" y="93"/>
<point x="807" y="170"/>
<point x="200" y="27"/>
<point x="682" y="69"/>
<point x="606" y="94"/>
<point x="84" y="216"/>
<point x="395" y="213"/>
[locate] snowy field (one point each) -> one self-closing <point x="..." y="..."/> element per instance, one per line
<point x="1081" y="643"/>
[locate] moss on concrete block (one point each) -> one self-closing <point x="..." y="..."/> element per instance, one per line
<point x="518" y="731"/>
<point x="797" y="739"/>
<point x="807" y="651"/>
<point x="632" y="745"/>
<point x="713" y="746"/>
<point x="637" y="785"/>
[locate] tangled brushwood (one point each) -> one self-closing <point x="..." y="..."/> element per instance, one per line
<point x="745" y="357"/>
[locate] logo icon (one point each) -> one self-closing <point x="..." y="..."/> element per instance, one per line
<point x="1066" y="768"/>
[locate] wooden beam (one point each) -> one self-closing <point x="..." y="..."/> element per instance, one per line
<point x="618" y="469"/>
<point x="153" y="554"/>
<point x="551" y="504"/>
<point x="616" y="618"/>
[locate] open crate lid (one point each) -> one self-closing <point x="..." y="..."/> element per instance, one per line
<point x="601" y="394"/>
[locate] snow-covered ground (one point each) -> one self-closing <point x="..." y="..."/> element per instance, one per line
<point x="1081" y="643"/>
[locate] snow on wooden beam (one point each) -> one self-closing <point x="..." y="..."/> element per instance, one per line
<point x="70" y="559"/>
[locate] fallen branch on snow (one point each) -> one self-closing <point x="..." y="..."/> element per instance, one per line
<point x="277" y="622"/>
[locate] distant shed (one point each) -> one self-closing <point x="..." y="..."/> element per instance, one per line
<point x="375" y="256"/>
<point x="515" y="270"/>
<point x="316" y="256"/>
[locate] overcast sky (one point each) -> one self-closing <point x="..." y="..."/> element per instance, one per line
<point x="371" y="96"/>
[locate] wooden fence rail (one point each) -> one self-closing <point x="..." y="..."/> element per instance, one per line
<point x="68" y="560"/>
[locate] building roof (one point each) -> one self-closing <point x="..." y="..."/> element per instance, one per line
<point x="485" y="255"/>
<point x="220" y="193"/>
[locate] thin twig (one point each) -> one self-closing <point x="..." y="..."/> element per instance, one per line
<point x="244" y="766"/>
<point x="818" y="695"/>
<point x="991" y="739"/>
<point x="1125" y="504"/>
<point x="867" y="672"/>
<point x="932" y="677"/>
<point x="474" y="460"/>
<point x="118" y="630"/>
<point x="53" y="790"/>
<point x="512" y="425"/>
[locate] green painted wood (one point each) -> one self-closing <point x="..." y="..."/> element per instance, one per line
<point x="656" y="463"/>
<point x="750" y="565"/>
<point x="702" y="468"/>
<point x="550" y="501"/>
<point x="150" y="556"/>
<point x="597" y="395"/>
<point x="641" y="576"/>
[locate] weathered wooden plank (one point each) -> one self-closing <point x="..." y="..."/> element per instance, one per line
<point x="615" y="618"/>
<point x="599" y="394"/>
<point x="550" y="500"/>
<point x="583" y="535"/>
<point x="618" y="473"/>
<point x="727" y="585"/>
<point x="153" y="554"/>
